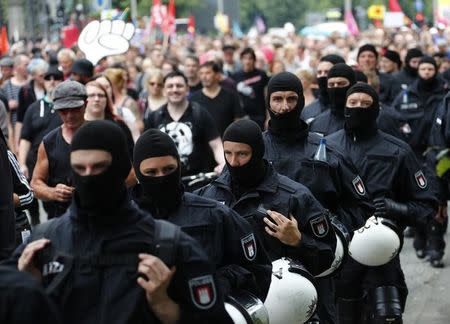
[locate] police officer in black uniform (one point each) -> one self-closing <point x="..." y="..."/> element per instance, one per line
<point x="408" y="74"/>
<point x="290" y="148"/>
<point x="90" y="257"/>
<point x="340" y="78"/>
<point x="22" y="299"/>
<point x="226" y="237"/>
<point x="417" y="111"/>
<point x="399" y="189"/>
<point x="284" y="214"/>
<point x="322" y="103"/>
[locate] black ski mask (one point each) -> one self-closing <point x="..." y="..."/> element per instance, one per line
<point x="253" y="172"/>
<point x="412" y="53"/>
<point x="162" y="193"/>
<point x="100" y="195"/>
<point x="338" y="95"/>
<point x="359" y="120"/>
<point x="427" y="85"/>
<point x="285" y="81"/>
<point x="322" y="81"/>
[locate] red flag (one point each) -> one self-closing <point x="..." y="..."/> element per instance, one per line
<point x="394" y="6"/>
<point x="156" y="14"/>
<point x="191" y="25"/>
<point x="4" y="43"/>
<point x="170" y="19"/>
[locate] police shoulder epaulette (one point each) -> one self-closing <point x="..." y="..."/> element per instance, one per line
<point x="201" y="203"/>
<point x="287" y="187"/>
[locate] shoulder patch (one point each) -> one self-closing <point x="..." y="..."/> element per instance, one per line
<point x="249" y="246"/>
<point x="286" y="187"/>
<point x="207" y="204"/>
<point x="420" y="179"/>
<point x="203" y="291"/>
<point x="358" y="184"/>
<point x="320" y="226"/>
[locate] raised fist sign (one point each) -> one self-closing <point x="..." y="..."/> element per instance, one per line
<point x="103" y="38"/>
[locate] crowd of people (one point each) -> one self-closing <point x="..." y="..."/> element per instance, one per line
<point x="308" y="138"/>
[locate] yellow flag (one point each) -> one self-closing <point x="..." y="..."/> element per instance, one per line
<point x="376" y="12"/>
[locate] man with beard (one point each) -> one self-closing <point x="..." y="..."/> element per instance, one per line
<point x="290" y="148"/>
<point x="322" y="103"/>
<point x="340" y="78"/>
<point x="400" y="193"/>
<point x="285" y="216"/>
<point x="226" y="237"/>
<point x="100" y="261"/>
<point x="417" y="109"/>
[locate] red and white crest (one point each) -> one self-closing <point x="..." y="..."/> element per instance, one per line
<point x="358" y="184"/>
<point x="420" y="179"/>
<point x="249" y="246"/>
<point x="203" y="291"/>
<point x="320" y="226"/>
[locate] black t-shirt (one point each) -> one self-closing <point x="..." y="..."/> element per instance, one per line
<point x="40" y="119"/>
<point x="223" y="108"/>
<point x="59" y="169"/>
<point x="195" y="88"/>
<point x="250" y="86"/>
<point x="191" y="133"/>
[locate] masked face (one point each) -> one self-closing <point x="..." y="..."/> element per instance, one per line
<point x="337" y="90"/>
<point x="359" y="111"/>
<point x="160" y="179"/>
<point x="241" y="163"/>
<point x="95" y="183"/>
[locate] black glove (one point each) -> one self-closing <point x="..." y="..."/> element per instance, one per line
<point x="390" y="209"/>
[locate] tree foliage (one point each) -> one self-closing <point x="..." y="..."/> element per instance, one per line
<point x="277" y="13"/>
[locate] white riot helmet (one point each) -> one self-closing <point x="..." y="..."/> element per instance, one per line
<point x="376" y="243"/>
<point x="292" y="296"/>
<point x="245" y="308"/>
<point x="341" y="252"/>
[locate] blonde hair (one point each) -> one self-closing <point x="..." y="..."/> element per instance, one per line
<point x="306" y="75"/>
<point x="117" y="77"/>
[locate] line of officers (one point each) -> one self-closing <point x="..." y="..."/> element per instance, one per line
<point x="297" y="228"/>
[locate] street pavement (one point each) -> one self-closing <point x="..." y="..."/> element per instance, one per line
<point x="429" y="296"/>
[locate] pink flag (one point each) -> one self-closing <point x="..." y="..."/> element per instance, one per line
<point x="351" y="23"/>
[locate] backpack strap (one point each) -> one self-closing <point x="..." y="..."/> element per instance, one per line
<point x="167" y="236"/>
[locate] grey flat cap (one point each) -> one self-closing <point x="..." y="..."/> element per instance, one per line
<point x="69" y="94"/>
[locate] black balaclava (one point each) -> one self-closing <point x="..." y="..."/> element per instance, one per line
<point x="164" y="193"/>
<point x="253" y="172"/>
<point x="100" y="195"/>
<point x="322" y="81"/>
<point x="285" y="81"/>
<point x="337" y="95"/>
<point x="428" y="84"/>
<point x="360" y="120"/>
<point x="393" y="56"/>
<point x="412" y="53"/>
